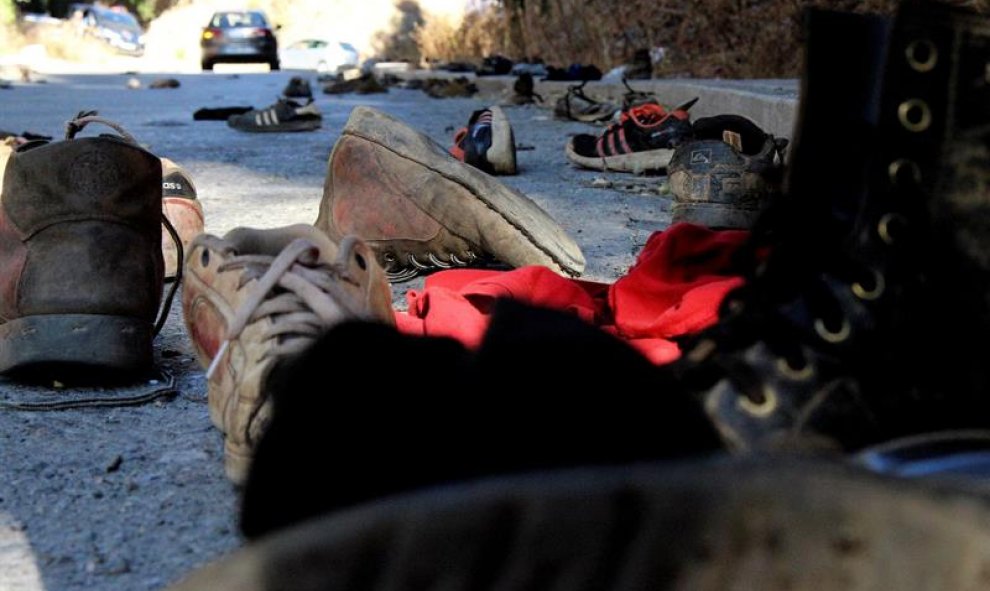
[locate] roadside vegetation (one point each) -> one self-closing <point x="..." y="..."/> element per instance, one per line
<point x="701" y="38"/>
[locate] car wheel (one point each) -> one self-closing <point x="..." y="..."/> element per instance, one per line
<point x="274" y="65"/>
<point x="207" y="65"/>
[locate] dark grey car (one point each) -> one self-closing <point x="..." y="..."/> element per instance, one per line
<point x="239" y="37"/>
<point x="114" y="26"/>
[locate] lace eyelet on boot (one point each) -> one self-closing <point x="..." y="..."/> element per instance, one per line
<point x="869" y="293"/>
<point x="830" y="336"/>
<point x="204" y="258"/>
<point x="360" y="262"/>
<point x="761" y="407"/>
<point x="903" y="172"/>
<point x="797" y="374"/>
<point x="922" y="55"/>
<point x="701" y="351"/>
<point x="887" y="225"/>
<point x="914" y="115"/>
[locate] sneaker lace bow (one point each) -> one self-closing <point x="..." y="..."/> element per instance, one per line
<point x="302" y="294"/>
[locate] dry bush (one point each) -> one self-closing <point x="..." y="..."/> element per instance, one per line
<point x="703" y="38"/>
<point x="439" y="38"/>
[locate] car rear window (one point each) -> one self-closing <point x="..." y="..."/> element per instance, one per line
<point x="227" y="20"/>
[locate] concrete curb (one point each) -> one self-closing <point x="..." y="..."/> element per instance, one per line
<point x="771" y="104"/>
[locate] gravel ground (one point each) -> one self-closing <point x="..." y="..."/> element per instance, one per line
<point x="131" y="498"/>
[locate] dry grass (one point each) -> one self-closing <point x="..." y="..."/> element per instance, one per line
<point x="703" y="38"/>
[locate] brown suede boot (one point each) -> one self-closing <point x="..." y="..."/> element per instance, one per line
<point x="255" y="297"/>
<point x="80" y="256"/>
<point x="422" y="209"/>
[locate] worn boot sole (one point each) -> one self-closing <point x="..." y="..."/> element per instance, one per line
<point x="635" y="162"/>
<point x="714" y="215"/>
<point x="76" y="341"/>
<point x="720" y="525"/>
<point x="502" y="154"/>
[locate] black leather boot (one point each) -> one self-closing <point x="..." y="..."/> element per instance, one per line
<point x="848" y="333"/>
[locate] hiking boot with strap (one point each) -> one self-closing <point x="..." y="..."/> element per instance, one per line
<point x="727" y="174"/>
<point x="578" y="106"/>
<point x="256" y="297"/>
<point x="420" y="209"/>
<point x="849" y="332"/>
<point x="81" y="268"/>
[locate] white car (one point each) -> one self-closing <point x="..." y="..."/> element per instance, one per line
<point x="318" y="54"/>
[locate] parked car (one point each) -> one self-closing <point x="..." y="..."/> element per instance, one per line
<point x="114" y="26"/>
<point x="239" y="36"/>
<point x="321" y="55"/>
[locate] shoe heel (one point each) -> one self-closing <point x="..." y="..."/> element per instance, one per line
<point x="502" y="154"/>
<point x="116" y="343"/>
<point x="236" y="461"/>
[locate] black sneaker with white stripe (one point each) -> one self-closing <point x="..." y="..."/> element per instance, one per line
<point x="284" y="115"/>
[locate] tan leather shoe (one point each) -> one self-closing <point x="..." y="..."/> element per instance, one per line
<point x="256" y="297"/>
<point x="419" y="208"/>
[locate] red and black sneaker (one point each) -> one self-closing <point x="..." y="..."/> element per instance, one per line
<point x="487" y="143"/>
<point x="643" y="140"/>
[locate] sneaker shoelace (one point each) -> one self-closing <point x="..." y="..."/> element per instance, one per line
<point x="645" y="116"/>
<point x="300" y="293"/>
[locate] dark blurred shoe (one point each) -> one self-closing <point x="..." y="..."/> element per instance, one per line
<point x="710" y="525"/>
<point x="284" y="115"/>
<point x="487" y="143"/>
<point x="523" y="91"/>
<point x="578" y="106"/>
<point x="421" y="209"/>
<point x="640" y="67"/>
<point x="164" y="83"/>
<point x="298" y="87"/>
<point x="495" y="65"/>
<point x="727" y="174"/>
<point x="643" y="140"/>
<point x="447" y="88"/>
<point x="218" y="113"/>
<point x="365" y="84"/>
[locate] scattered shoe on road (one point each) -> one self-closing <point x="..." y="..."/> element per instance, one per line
<point x="284" y="115"/>
<point x="487" y="143"/>
<point x="256" y="297"/>
<point x="421" y="209"/>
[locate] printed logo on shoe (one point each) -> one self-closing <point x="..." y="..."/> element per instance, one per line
<point x="701" y="157"/>
<point x="176" y="185"/>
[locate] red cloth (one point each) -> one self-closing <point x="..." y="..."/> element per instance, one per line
<point x="674" y="288"/>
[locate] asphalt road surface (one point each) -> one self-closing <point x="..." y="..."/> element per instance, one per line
<point x="131" y="498"/>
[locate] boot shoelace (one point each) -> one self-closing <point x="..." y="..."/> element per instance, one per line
<point x="79" y="123"/>
<point x="301" y="294"/>
<point x="397" y="273"/>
